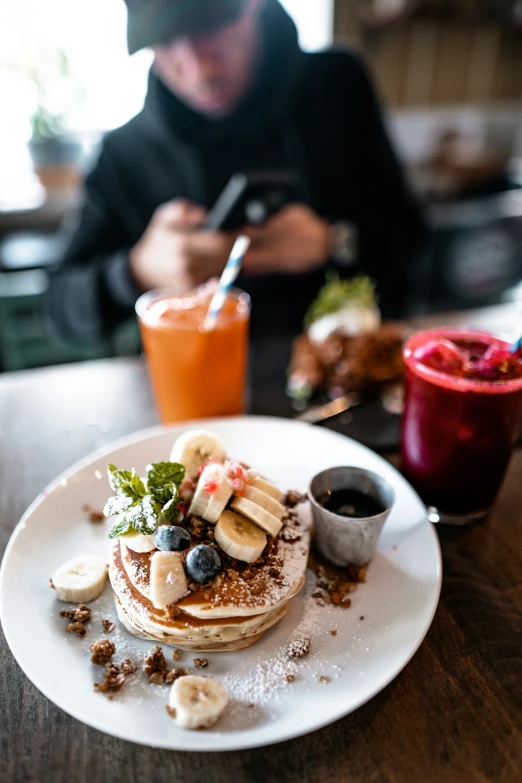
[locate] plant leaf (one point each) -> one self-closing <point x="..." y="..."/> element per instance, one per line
<point x="337" y="293"/>
<point x="126" y="482"/>
<point x="142" y="506"/>
<point x="117" y="505"/>
<point x="170" y="510"/>
<point x="117" y="477"/>
<point x="121" y="528"/>
<point x="143" y="517"/>
<point x="163" y="480"/>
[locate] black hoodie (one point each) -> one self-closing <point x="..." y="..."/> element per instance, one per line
<point x="314" y="113"/>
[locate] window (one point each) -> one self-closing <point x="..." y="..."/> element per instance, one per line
<point x="104" y="87"/>
<point x="314" y="19"/>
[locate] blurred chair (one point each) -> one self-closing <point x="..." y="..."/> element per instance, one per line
<point x="24" y="341"/>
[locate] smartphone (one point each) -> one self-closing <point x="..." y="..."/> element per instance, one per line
<point x="252" y="198"/>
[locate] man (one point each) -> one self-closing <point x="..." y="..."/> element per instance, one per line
<point x="230" y="91"/>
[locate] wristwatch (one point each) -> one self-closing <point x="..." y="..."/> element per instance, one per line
<point x="343" y="243"/>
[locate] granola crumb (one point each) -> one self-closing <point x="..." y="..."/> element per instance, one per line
<point x="77" y="628"/>
<point x="323" y="679"/>
<point x="333" y="632"/>
<point x="155" y="662"/>
<point x="102" y="652"/>
<point x="361" y="617"/>
<point x="333" y="585"/>
<point x="200" y="663"/>
<point x="290" y="677"/>
<point x="299" y="648"/>
<point x="156" y="667"/>
<point x="108" y="626"/>
<point x="174" y="675"/>
<point x="128" y="667"/>
<point x="251" y="706"/>
<point x="80" y="614"/>
<point x="176" y="655"/>
<point x="51" y="584"/>
<point x="93" y="515"/>
<point x="114" y="680"/>
<point x="171" y="711"/>
<point x="357" y="574"/>
<point x="294" y="498"/>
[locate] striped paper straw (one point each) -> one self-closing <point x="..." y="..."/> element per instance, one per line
<point x="228" y="278"/>
<point x="516" y="346"/>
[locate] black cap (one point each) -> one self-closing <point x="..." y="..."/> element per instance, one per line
<point x="152" y="22"/>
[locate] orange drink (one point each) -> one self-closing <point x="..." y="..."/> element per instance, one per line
<point x="195" y="372"/>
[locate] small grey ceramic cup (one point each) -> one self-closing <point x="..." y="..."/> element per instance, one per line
<point x="345" y="540"/>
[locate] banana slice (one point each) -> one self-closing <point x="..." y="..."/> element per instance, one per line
<point x="198" y="701"/>
<point x="194" y="448"/>
<point x="168" y="583"/>
<point x="260" y="516"/>
<point x="239" y="537"/>
<point x="267" y="502"/>
<point x="80" y="580"/>
<point x="210" y="505"/>
<point x="138" y="542"/>
<point x="268" y="488"/>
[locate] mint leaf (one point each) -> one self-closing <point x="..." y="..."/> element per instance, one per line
<point x="117" y="505"/>
<point x="126" y="482"/>
<point x="170" y="510"/>
<point x="163" y="480"/>
<point x="121" y="528"/>
<point x="143" y="517"/>
<point x="141" y="506"/>
<point x="337" y="293"/>
<point x="118" y="477"/>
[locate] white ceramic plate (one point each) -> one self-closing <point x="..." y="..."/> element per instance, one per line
<point x="397" y="602"/>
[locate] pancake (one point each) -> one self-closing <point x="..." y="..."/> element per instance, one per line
<point x="230" y="613"/>
<point x="215" y="643"/>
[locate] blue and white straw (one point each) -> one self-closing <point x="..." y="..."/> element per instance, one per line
<point x="227" y="280"/>
<point x="516" y="346"/>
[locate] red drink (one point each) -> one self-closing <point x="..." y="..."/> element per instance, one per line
<point x="462" y="416"/>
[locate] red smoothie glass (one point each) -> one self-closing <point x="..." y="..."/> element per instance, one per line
<point x="463" y="411"/>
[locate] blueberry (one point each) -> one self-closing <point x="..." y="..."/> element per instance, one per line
<point x="171" y="538"/>
<point x="203" y="563"/>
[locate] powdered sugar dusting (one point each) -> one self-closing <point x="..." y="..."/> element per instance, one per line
<point x="266" y="684"/>
<point x="261" y="683"/>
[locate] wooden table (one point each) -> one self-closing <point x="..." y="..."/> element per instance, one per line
<point x="453" y="715"/>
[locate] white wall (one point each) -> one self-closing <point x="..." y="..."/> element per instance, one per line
<point x="314" y="19"/>
<point x="415" y="131"/>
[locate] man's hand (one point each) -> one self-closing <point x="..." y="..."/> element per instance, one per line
<point x="174" y="251"/>
<point x="293" y="241"/>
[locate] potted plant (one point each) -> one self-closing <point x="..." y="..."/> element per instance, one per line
<point x="55" y="152"/>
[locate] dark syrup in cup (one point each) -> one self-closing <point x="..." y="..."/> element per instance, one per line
<point x="351" y="503"/>
<point x="463" y="411"/>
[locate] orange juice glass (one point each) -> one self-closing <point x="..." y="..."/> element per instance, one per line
<point x="195" y="372"/>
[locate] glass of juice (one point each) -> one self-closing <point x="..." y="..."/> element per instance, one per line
<point x="463" y="411"/>
<point x="195" y="372"/>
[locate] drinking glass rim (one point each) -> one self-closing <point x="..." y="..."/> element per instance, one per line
<point x="155" y="294"/>
<point x="439" y="378"/>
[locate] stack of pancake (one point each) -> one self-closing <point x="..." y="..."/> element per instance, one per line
<point x="250" y="593"/>
<point x="230" y="614"/>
